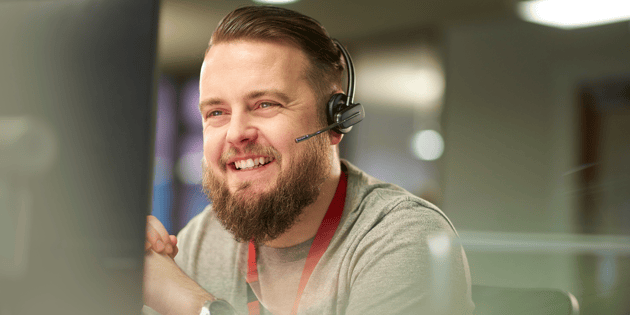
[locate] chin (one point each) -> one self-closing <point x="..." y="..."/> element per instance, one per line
<point x="250" y="187"/>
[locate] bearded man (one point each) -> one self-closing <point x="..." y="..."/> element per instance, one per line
<point x="292" y="228"/>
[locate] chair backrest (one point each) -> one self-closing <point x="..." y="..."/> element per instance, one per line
<point x="490" y="300"/>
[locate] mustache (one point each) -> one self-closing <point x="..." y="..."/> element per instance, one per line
<point x="250" y="148"/>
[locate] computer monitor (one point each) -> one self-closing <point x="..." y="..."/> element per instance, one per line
<point x="76" y="140"/>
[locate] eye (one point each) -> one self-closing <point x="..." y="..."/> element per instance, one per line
<point x="264" y="105"/>
<point x="214" y="113"/>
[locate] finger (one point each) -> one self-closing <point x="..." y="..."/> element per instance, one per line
<point x="154" y="239"/>
<point x="157" y="235"/>
<point x="175" y="251"/>
<point x="175" y="248"/>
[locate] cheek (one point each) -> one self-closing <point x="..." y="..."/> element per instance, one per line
<point x="211" y="149"/>
<point x="280" y="136"/>
<point x="286" y="131"/>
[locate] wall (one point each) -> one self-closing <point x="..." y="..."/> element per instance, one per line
<point x="511" y="131"/>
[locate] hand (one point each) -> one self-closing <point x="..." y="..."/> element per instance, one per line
<point x="168" y="290"/>
<point x="158" y="239"/>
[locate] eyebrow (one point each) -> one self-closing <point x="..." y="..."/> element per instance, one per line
<point x="251" y="95"/>
<point x="209" y="102"/>
<point x="279" y="94"/>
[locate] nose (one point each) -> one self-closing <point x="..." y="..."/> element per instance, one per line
<point x="240" y="131"/>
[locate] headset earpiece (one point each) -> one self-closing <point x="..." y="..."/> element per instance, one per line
<point x="338" y="111"/>
<point x="336" y="104"/>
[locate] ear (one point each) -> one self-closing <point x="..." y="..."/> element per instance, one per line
<point x="335" y="138"/>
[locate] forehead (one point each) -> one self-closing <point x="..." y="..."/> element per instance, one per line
<point x="247" y="64"/>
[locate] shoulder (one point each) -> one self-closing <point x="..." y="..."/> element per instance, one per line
<point x="390" y="242"/>
<point x="377" y="203"/>
<point x="384" y="225"/>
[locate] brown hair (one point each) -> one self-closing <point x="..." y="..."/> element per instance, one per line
<point x="272" y="24"/>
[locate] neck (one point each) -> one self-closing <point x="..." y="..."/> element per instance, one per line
<point x="311" y="218"/>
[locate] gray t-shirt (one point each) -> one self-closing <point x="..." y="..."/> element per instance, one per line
<point x="280" y="271"/>
<point x="390" y="255"/>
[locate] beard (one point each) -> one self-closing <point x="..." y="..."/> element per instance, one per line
<point x="265" y="216"/>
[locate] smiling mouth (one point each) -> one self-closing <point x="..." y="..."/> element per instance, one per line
<point x="251" y="164"/>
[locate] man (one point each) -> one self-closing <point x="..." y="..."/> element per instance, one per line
<point x="292" y="228"/>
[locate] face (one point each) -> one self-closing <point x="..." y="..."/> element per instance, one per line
<point x="254" y="102"/>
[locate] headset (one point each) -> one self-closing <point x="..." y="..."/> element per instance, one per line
<point x="341" y="111"/>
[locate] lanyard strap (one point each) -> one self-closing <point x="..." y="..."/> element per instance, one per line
<point x="323" y="237"/>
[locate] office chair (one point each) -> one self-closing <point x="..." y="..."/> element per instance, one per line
<point x="491" y="300"/>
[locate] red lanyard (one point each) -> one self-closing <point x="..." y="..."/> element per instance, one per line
<point x="323" y="237"/>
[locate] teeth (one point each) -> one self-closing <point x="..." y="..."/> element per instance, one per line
<point x="252" y="163"/>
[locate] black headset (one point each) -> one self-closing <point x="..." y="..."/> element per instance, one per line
<point x="341" y="111"/>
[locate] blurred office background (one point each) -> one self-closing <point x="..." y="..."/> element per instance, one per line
<point x="519" y="131"/>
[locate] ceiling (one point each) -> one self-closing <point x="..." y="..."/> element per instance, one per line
<point x="186" y="25"/>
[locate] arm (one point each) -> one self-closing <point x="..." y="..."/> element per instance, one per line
<point x="168" y="290"/>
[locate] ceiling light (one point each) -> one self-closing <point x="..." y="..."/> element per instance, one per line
<point x="401" y="77"/>
<point x="427" y="145"/>
<point x="275" y="1"/>
<point x="570" y="14"/>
